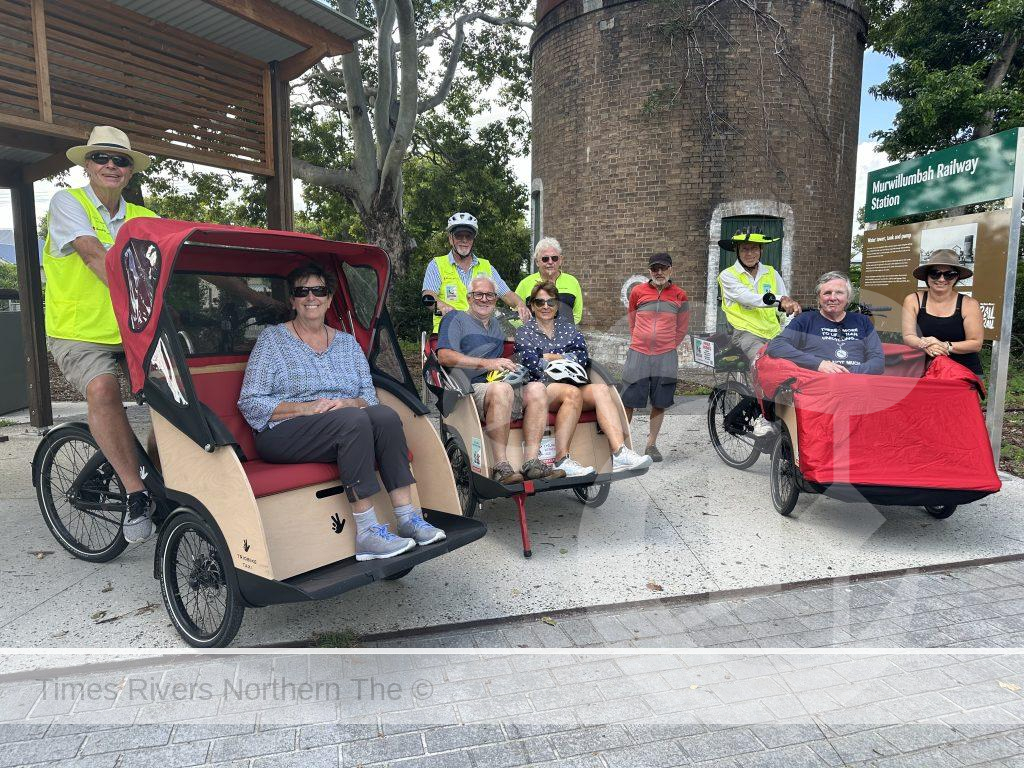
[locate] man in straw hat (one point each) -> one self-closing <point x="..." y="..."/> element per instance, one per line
<point x="81" y="329"/>
<point x="742" y="287"/>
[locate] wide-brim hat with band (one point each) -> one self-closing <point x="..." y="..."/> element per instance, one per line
<point x="943" y="257"/>
<point x="106" y="138"/>
<point x="746" y="236"/>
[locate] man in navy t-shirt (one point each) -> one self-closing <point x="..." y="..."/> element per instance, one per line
<point x="831" y="340"/>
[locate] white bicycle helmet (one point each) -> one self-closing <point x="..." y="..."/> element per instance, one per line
<point x="462" y="219"/>
<point x="566" y="370"/>
<point x="518" y="376"/>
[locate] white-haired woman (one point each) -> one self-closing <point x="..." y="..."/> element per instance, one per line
<point x="548" y="258"/>
<point x="831" y="340"/>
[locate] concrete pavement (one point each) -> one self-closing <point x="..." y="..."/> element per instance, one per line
<point x="690" y="526"/>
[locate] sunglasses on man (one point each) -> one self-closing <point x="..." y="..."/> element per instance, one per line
<point x="658" y="267"/>
<point x="550" y="259"/>
<point x="301" y="291"/>
<point x="545" y="303"/>
<point x="102" y="158"/>
<point x="935" y="274"/>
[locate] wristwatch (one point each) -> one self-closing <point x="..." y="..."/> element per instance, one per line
<point x="949" y="347"/>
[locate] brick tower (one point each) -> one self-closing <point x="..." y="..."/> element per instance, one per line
<point x="764" y="134"/>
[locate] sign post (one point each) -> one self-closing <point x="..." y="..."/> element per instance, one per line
<point x="990" y="168"/>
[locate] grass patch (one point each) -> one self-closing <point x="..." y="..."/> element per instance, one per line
<point x="7" y="423"/>
<point x="344" y="638"/>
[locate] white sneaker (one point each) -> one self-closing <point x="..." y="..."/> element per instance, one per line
<point x="627" y="458"/>
<point x="572" y="467"/>
<point x="763" y="427"/>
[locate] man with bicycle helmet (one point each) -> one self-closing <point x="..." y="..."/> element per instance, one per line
<point x="448" y="277"/>
<point x="475" y="342"/>
<point x="741" y="288"/>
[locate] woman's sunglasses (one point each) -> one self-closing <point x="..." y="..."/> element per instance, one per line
<point x="301" y="291"/>
<point x="935" y="274"/>
<point x="545" y="303"/>
<point x="101" y="158"/>
<point x="550" y="259"/>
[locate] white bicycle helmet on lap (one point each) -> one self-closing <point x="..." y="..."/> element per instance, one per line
<point x="463" y="220"/>
<point x="518" y="376"/>
<point x="567" y="371"/>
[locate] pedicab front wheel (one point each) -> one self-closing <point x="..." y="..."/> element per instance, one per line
<point x="784" y="475"/>
<point x="941" y="512"/>
<point x="463" y="477"/>
<point x="80" y="496"/>
<point x="737" y="451"/>
<point x="592" y="495"/>
<point x="204" y="607"/>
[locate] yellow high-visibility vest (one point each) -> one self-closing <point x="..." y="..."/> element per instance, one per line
<point x="452" y="292"/>
<point x="77" y="302"/>
<point x="760" y="322"/>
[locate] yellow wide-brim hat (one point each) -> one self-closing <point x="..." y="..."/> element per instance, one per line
<point x="106" y="138"/>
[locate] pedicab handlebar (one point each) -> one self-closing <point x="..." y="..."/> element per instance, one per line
<point x="770" y="299"/>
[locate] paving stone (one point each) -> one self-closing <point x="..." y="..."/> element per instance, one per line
<point x="914" y="736"/>
<point x="931" y="758"/>
<point x="731" y="715"/>
<point x="562" y="697"/>
<point x="926" y="705"/>
<point x="253" y="745"/>
<point x="441" y="760"/>
<point x="512" y="753"/>
<point x="774" y="735"/>
<point x="862" y="746"/>
<point x="520" y="681"/>
<point x="728" y="743"/>
<point x="664" y="754"/>
<point x="322" y="757"/>
<point x="493" y="708"/>
<point x="634" y="685"/>
<point x="745" y="690"/>
<point x="174" y="756"/>
<point x="540" y="723"/>
<point x="586" y="740"/>
<point x="458" y="736"/>
<point x="858" y="694"/>
<point x="21" y="731"/>
<point x="800" y="756"/>
<point x="920" y="681"/>
<point x="335" y="733"/>
<point x="587" y="672"/>
<point x="25" y="752"/>
<point x="866" y="668"/>
<point x="982" y="750"/>
<point x="418" y="719"/>
<point x="381" y="749"/>
<point x="580" y="631"/>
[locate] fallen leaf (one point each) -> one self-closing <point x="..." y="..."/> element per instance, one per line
<point x="549" y="621"/>
<point x="108" y="588"/>
<point x="1009" y="686"/>
<point x="41" y="553"/>
<point x="655" y="587"/>
<point x="98" y="615"/>
<point x="693" y="687"/>
<point x="515" y="593"/>
<point x="60" y="634"/>
<point x="563" y="551"/>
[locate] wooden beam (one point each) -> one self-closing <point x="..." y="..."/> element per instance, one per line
<point x="48" y="166"/>
<point x="30" y="287"/>
<point x="282" y="22"/>
<point x="293" y="66"/>
<point x="42" y="61"/>
<point x="30" y="140"/>
<point x="280" y="206"/>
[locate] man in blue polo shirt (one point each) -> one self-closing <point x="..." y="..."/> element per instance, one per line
<point x="475" y="342"/>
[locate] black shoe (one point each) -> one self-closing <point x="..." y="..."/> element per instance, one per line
<point x="654" y="453"/>
<point x="138" y="522"/>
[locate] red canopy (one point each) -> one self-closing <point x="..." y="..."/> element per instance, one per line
<point x="147" y="251"/>
<point x="888" y="430"/>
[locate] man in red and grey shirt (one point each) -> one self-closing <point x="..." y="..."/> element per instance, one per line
<point x="659" y="316"/>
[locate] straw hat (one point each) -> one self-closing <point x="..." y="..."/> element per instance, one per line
<point x="110" y="139"/>
<point x="943" y="257"/>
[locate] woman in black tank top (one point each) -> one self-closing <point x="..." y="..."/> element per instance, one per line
<point x="959" y="334"/>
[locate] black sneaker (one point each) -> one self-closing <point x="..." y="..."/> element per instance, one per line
<point x="138" y="523"/>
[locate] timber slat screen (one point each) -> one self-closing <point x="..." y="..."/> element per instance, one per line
<point x="175" y="94"/>
<point x="18" y="87"/>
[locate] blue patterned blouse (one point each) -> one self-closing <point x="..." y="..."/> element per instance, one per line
<point x="283" y="369"/>
<point x="532" y="344"/>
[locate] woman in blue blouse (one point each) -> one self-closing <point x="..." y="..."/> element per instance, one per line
<point x="308" y="394"/>
<point x="545" y="338"/>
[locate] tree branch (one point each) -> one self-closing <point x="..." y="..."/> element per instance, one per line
<point x="364" y="149"/>
<point x="391" y="168"/>
<point x="996" y="76"/>
<point x="385" y="76"/>
<point x="341" y="179"/>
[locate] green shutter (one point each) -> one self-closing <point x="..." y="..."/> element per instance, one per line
<point x="771" y="254"/>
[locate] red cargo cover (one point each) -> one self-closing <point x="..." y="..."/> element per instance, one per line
<point x="888" y="430"/>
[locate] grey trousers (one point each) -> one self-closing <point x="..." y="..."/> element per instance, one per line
<point x="353" y="437"/>
<point x="749" y="343"/>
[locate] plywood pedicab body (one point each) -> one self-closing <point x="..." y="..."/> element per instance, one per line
<point x="235" y="531"/>
<point x="470" y="453"/>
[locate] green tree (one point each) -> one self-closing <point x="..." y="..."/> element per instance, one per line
<point x="8" y="276"/>
<point x="958" y="73"/>
<point x="178" y="191"/>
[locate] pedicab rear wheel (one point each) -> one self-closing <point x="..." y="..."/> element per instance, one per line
<point x="738" y="451"/>
<point x="398" y="575"/>
<point x="941" y="512"/>
<point x="204" y="606"/>
<point x="592" y="495"/>
<point x="784" y="475"/>
<point x="87" y="523"/>
<point x="463" y="477"/>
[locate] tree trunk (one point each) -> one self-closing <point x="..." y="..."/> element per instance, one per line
<point x="384" y="228"/>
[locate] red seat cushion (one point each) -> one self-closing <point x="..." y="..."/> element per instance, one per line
<point x="218" y="382"/>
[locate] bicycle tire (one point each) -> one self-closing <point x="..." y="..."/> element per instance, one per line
<point x="738" y="452"/>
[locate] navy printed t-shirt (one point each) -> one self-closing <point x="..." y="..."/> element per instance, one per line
<point x="810" y="338"/>
<point x="463" y="333"/>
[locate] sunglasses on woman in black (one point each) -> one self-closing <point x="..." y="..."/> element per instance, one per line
<point x="101" y="158"/>
<point x="301" y="291"/>
<point x="935" y="274"/>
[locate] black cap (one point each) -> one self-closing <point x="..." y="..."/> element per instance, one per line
<point x="661" y="258"/>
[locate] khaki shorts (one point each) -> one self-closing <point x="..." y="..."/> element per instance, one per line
<point x="480" y="390"/>
<point x="83" y="361"/>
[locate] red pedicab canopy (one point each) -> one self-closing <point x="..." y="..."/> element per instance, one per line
<point x="147" y="251"/>
<point x="890" y="431"/>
